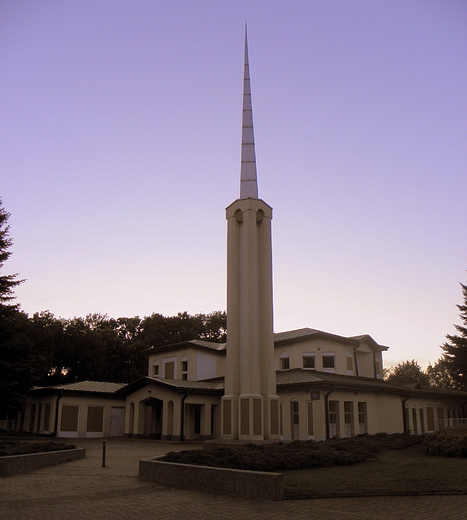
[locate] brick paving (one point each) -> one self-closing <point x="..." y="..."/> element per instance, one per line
<point x="85" y="490"/>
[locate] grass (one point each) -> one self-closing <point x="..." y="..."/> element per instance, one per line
<point x="401" y="472"/>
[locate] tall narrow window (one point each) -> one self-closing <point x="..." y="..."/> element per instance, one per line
<point x="362" y="418"/>
<point x="285" y="363"/>
<point x="333" y="418"/>
<point x="310" y="425"/>
<point x="184" y="367"/>
<point x="377" y="367"/>
<point x="295" y="418"/>
<point x="348" y="418"/>
<point x="441" y="424"/>
<point x="349" y="360"/>
<point x="414" y="421"/>
<point x="422" y="421"/>
<point x="430" y="419"/>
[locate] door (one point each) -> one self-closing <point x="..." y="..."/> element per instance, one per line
<point x="117" y="421"/>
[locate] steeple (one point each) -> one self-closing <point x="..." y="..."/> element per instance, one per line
<point x="250" y="406"/>
<point x="248" y="181"/>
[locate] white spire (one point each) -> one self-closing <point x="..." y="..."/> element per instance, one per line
<point x="248" y="181"/>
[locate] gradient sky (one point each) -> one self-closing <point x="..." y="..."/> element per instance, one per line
<point x="120" y="149"/>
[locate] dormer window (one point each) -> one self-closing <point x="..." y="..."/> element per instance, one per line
<point x="309" y="361"/>
<point x="285" y="362"/>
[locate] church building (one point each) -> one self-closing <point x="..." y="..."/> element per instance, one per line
<point x="260" y="385"/>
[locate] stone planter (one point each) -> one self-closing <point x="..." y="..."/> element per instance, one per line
<point x="255" y="485"/>
<point x="13" y="464"/>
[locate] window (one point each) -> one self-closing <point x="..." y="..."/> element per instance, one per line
<point x="422" y="421"/>
<point x="285" y="363"/>
<point x="414" y="421"/>
<point x="310" y="426"/>
<point x="362" y="418"/>
<point x="441" y="424"/>
<point x="95" y="418"/>
<point x="295" y="418"/>
<point x="69" y="422"/>
<point x="333" y="418"/>
<point x="184" y="368"/>
<point x="348" y="418"/>
<point x="155" y="369"/>
<point x="309" y="361"/>
<point x="328" y="361"/>
<point x="169" y="367"/>
<point x="349" y="361"/>
<point x="47" y="417"/>
<point x="430" y="418"/>
<point x="377" y="367"/>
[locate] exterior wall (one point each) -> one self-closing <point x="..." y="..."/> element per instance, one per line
<point x="362" y="360"/>
<point x="202" y="364"/>
<point x="444" y="412"/>
<point x="73" y="411"/>
<point x="383" y="413"/>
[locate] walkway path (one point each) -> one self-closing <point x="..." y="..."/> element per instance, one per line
<point x="85" y="490"/>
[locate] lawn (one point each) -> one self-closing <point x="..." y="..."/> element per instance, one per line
<point x="407" y="471"/>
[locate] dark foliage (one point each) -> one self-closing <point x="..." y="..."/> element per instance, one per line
<point x="12" y="447"/>
<point x="451" y="442"/>
<point x="455" y="349"/>
<point x="296" y="454"/>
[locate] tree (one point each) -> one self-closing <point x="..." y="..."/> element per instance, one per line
<point x="407" y="372"/>
<point x="455" y="349"/>
<point x="15" y="374"/>
<point x="10" y="281"/>
<point x="439" y="375"/>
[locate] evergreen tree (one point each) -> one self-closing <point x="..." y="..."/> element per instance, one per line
<point x="455" y="349"/>
<point x="15" y="373"/>
<point x="10" y="281"/>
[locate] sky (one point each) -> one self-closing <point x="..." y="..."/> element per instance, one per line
<point x="120" y="142"/>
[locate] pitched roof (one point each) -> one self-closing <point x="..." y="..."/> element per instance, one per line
<point x="291" y="336"/>
<point x="300" y="377"/>
<point x="179" y="385"/>
<point x="101" y="387"/>
<point x="210" y="345"/>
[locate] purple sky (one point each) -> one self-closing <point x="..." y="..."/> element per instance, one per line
<point x="120" y="148"/>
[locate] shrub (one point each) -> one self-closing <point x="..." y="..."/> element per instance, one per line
<point x="22" y="448"/>
<point x="296" y="454"/>
<point x="451" y="442"/>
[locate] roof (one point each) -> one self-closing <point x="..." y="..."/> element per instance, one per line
<point x="300" y="377"/>
<point x="179" y="385"/>
<point x="198" y="343"/>
<point x="100" y="387"/>
<point x="291" y="336"/>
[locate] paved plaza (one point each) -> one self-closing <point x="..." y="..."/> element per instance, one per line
<point x="85" y="490"/>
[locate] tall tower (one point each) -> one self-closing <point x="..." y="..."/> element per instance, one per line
<point x="250" y="406"/>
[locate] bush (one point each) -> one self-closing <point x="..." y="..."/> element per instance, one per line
<point x="451" y="442"/>
<point x="22" y="448"/>
<point x="296" y="454"/>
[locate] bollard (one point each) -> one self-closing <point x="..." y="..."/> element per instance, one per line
<point x="103" y="453"/>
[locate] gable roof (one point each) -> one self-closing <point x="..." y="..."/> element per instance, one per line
<point x="179" y="385"/>
<point x="196" y="343"/>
